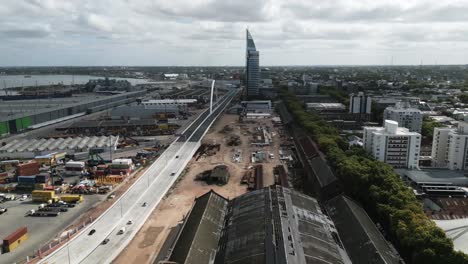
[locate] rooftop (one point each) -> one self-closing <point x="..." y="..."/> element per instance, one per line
<point x="445" y="176"/>
<point x="361" y="238"/>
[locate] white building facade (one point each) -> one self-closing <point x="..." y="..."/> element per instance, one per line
<point x="360" y="104"/>
<point x="450" y="147"/>
<point x="394" y="145"/>
<point x="407" y="117"/>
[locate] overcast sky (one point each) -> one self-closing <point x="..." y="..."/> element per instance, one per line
<point x="212" y="32"/>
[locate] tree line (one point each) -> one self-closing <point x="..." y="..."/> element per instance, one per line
<point x="381" y="192"/>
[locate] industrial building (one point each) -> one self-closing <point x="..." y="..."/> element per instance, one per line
<point x="394" y="145"/>
<point x="319" y="175"/>
<point x="270" y="225"/>
<point x="144" y="127"/>
<point x="362" y="240"/>
<point x="30" y="148"/>
<point x="19" y="115"/>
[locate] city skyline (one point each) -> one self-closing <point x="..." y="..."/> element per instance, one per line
<point x="210" y="33"/>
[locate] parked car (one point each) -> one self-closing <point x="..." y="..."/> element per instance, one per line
<point x="105" y="241"/>
<point x="144" y="204"/>
<point x="130" y="222"/>
<point x="172" y="173"/>
<point x="92" y="232"/>
<point x="3" y="210"/>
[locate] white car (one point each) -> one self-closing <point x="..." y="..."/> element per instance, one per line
<point x="130" y="222"/>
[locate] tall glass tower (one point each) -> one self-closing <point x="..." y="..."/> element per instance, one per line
<point x="252" y="67"/>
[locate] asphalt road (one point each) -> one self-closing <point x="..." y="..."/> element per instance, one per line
<point x="151" y="187"/>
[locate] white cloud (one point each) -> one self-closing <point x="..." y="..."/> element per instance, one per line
<point x="162" y="32"/>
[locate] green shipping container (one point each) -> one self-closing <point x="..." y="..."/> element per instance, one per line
<point x="23" y="123"/>
<point x="4" y="129"/>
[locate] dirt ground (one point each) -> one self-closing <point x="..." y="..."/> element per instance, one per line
<point x="146" y="244"/>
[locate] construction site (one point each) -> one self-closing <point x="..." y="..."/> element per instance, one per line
<point x="230" y="162"/>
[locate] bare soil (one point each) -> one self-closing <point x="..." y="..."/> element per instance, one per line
<point x="146" y="245"/>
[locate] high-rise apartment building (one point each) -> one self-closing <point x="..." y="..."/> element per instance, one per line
<point x="360" y="104"/>
<point x="394" y="145"/>
<point x="406" y="116"/>
<point x="450" y="147"/>
<point x="252" y="72"/>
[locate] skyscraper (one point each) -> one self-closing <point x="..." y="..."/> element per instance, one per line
<point x="252" y="72"/>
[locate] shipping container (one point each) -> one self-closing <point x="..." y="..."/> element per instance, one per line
<point x="72" y="198"/>
<point x="43" y="196"/>
<point x="14" y="239"/>
<point x="26" y="179"/>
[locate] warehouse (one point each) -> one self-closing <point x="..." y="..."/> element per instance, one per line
<point x="137" y="112"/>
<point x="30" y="148"/>
<point x="272" y="225"/>
<point x="145" y="127"/>
<point x="361" y="238"/>
<point x="17" y="116"/>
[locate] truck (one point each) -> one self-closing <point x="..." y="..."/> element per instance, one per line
<point x="53" y="209"/>
<point x="33" y="212"/>
<point x="72" y="198"/>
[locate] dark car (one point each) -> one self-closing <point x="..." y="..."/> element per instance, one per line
<point x="173" y="173"/>
<point x="105" y="241"/>
<point x="92" y="232"/>
<point x="144" y="204"/>
<point x="177" y="156"/>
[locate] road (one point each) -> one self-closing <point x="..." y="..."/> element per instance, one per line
<point x="151" y="187"/>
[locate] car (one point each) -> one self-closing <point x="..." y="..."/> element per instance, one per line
<point x="92" y="232"/>
<point x="105" y="241"/>
<point x="121" y="230"/>
<point x="130" y="222"/>
<point x="177" y="156"/>
<point x="173" y="173"/>
<point x="3" y="210"/>
<point x="144" y="204"/>
<point x="112" y="196"/>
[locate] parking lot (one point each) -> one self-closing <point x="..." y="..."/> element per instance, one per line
<point x="40" y="229"/>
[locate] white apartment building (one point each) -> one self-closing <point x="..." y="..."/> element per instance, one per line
<point x="360" y="104"/>
<point x="450" y="147"/>
<point x="394" y="145"/>
<point x="407" y="117"/>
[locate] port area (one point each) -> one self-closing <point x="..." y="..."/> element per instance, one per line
<point x="148" y="242"/>
<point x="44" y="231"/>
<point x="40" y="229"/>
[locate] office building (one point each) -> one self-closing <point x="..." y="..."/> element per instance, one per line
<point x="406" y="116"/>
<point x="394" y="145"/>
<point x="450" y="147"/>
<point x="360" y="104"/>
<point x="252" y="72"/>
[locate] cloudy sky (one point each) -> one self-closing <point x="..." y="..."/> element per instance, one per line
<point x="212" y="32"/>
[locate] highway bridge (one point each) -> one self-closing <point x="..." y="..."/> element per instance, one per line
<point x="149" y="189"/>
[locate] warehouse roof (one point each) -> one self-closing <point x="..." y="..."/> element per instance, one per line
<point x="435" y="176"/>
<point x="270" y="225"/>
<point x="55" y="144"/>
<point x="361" y="238"/>
<point x="198" y="240"/>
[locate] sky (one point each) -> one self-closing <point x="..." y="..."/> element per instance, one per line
<point x="212" y="32"/>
